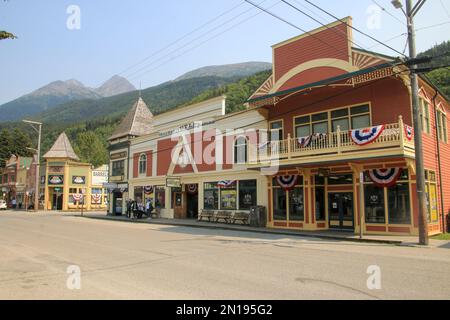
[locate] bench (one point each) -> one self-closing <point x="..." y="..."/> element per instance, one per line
<point x="243" y="217"/>
<point x="206" y="214"/>
<point x="223" y="215"/>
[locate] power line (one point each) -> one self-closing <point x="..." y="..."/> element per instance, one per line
<point x="445" y="8"/>
<point x="385" y="10"/>
<point x="354" y="28"/>
<point x="196" y="46"/>
<point x="182" y="37"/>
<point x="137" y="72"/>
<point x="322" y="24"/>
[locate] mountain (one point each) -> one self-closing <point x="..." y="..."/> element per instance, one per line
<point x="238" y="70"/>
<point x="59" y="92"/>
<point x="440" y="77"/>
<point x="159" y="98"/>
<point x="114" y="86"/>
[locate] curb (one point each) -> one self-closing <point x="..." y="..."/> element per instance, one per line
<point x="262" y="231"/>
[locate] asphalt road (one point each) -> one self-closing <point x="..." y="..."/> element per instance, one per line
<point x="119" y="260"/>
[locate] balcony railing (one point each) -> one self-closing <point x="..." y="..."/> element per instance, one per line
<point x="334" y="146"/>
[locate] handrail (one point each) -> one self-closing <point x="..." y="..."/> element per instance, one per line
<point x="333" y="142"/>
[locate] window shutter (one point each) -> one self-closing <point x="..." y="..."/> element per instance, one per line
<point x="149" y="163"/>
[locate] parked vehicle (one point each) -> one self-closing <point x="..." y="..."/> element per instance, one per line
<point x="3" y="205"/>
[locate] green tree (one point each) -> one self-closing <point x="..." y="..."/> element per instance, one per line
<point x="6" y="35"/>
<point x="90" y="148"/>
<point x="13" y="141"/>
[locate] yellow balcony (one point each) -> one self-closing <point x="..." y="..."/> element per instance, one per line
<point x="335" y="146"/>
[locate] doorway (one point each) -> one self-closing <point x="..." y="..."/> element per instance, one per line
<point x="192" y="205"/>
<point x="117" y="203"/>
<point x="340" y="210"/>
<point x="57" y="199"/>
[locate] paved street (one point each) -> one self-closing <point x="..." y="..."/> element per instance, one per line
<point x="120" y="260"/>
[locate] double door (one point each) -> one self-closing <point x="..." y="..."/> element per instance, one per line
<point x="340" y="210"/>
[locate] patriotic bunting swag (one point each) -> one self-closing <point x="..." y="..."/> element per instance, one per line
<point x="148" y="190"/>
<point x="305" y="142"/>
<point x="225" y="183"/>
<point x="363" y="137"/>
<point x="385" y="178"/>
<point x="192" y="188"/>
<point x="409" y="132"/>
<point x="287" y="183"/>
<point x="77" y="197"/>
<point x="96" y="198"/>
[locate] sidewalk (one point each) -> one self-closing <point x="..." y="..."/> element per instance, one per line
<point x="331" y="235"/>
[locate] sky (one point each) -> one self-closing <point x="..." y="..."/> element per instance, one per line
<point x="153" y="41"/>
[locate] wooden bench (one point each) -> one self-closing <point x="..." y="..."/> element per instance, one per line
<point x="223" y="215"/>
<point x="207" y="214"/>
<point x="243" y="217"/>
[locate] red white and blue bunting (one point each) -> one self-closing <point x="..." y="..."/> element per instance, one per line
<point x="226" y="183"/>
<point x="96" y="198"/>
<point x="148" y="190"/>
<point x="287" y="183"/>
<point x="409" y="132"/>
<point x="305" y="142"/>
<point x="385" y="178"/>
<point x="192" y="188"/>
<point x="363" y="137"/>
<point x="77" y="197"/>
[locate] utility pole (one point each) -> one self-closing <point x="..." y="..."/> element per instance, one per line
<point x="38" y="161"/>
<point x="411" y="11"/>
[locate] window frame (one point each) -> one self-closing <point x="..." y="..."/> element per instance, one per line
<point x="425" y="110"/>
<point x="142" y="164"/>
<point x="287" y="196"/>
<point x="330" y="119"/>
<point x="281" y="136"/>
<point x="442" y="125"/>
<point x="236" y="150"/>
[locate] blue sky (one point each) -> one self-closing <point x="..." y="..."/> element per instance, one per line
<point x="117" y="34"/>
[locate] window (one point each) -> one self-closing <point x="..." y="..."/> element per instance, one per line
<point x="211" y="196"/>
<point x="296" y="209"/>
<point x="442" y="126"/>
<point x="276" y="130"/>
<point x="319" y="197"/>
<point x="142" y="164"/>
<point x="247" y="194"/>
<point x="296" y="205"/>
<point x="228" y="197"/>
<point x="96" y="191"/>
<point x="425" y="115"/>
<point x="346" y="118"/>
<point x="240" y="150"/>
<point x="118" y="168"/>
<point x="160" y="197"/>
<point x="398" y="204"/>
<point x="374" y="204"/>
<point x="279" y="204"/>
<point x="431" y="193"/>
<point x="73" y="190"/>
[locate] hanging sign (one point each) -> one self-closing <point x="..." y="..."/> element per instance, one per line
<point x="362" y="137"/>
<point x="55" y="180"/>
<point x="287" y="183"/>
<point x="385" y="177"/>
<point x="172" y="182"/>
<point x="78" y="179"/>
<point x="409" y="132"/>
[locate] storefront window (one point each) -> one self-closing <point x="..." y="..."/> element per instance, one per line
<point x="160" y="197"/>
<point x="374" y="204"/>
<point x="398" y="202"/>
<point x="96" y="191"/>
<point x="296" y="205"/>
<point x="228" y="197"/>
<point x="431" y="193"/>
<point x="320" y="203"/>
<point x="279" y="204"/>
<point x="247" y="194"/>
<point x="211" y="196"/>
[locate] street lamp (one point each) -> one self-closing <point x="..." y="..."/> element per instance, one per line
<point x="411" y="11"/>
<point x="37" y="126"/>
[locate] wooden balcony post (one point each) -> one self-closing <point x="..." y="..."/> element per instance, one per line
<point x="338" y="134"/>
<point x="289" y="146"/>
<point x="401" y="128"/>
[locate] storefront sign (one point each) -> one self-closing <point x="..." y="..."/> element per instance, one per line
<point x="119" y="155"/>
<point x="78" y="179"/>
<point x="110" y="186"/>
<point x="55" y="180"/>
<point x="123" y="187"/>
<point x="173" y="182"/>
<point x="186" y="127"/>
